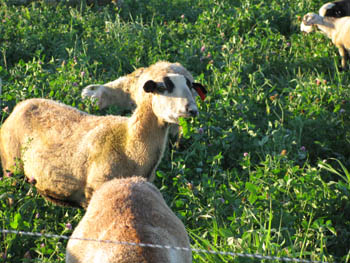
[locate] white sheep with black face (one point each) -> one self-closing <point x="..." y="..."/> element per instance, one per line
<point x="128" y="210"/>
<point x="69" y="153"/>
<point x="337" y="29"/>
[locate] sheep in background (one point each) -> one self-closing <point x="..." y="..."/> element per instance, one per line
<point x="335" y="9"/>
<point x="120" y="92"/>
<point x="69" y="153"/>
<point x="128" y="210"/>
<point x="337" y="29"/>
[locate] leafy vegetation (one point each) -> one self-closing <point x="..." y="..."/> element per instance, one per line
<point x="263" y="169"/>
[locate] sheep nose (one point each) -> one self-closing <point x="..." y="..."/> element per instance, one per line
<point x="193" y="113"/>
<point x="191" y="108"/>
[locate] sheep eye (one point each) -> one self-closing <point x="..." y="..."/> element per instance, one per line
<point x="169" y="84"/>
<point x="161" y="88"/>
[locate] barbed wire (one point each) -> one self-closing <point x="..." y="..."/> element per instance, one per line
<point x="194" y="250"/>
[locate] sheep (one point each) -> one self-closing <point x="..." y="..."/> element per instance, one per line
<point x="338" y="9"/>
<point x="132" y="210"/>
<point x="337" y="29"/>
<point x="120" y="92"/>
<point x="69" y="153"/>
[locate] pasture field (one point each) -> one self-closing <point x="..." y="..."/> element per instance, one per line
<point x="264" y="168"/>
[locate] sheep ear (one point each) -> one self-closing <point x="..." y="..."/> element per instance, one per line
<point x="150" y="86"/>
<point x="199" y="88"/>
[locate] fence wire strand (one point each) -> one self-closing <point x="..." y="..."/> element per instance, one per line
<point x="194" y="250"/>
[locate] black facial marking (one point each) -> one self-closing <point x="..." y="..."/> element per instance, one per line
<point x="169" y="84"/>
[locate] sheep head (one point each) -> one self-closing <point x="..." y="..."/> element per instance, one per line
<point x="309" y="21"/>
<point x="94" y="91"/>
<point x="172" y="97"/>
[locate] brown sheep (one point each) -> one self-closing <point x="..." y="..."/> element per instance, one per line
<point x="69" y="153"/>
<point x="128" y="210"/>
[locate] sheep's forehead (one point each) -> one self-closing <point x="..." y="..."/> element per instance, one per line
<point x="310" y="18"/>
<point x="178" y="84"/>
<point x="325" y="7"/>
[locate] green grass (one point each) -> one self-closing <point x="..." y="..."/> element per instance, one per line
<point x="263" y="169"/>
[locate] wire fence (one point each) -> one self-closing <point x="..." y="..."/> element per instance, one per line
<point x="194" y="250"/>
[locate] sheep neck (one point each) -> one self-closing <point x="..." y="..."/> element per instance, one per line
<point x="327" y="27"/>
<point x="147" y="137"/>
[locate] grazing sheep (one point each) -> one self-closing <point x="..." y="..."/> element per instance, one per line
<point x="335" y="9"/>
<point x="122" y="91"/>
<point x="69" y="153"/>
<point x="337" y="29"/>
<point x="128" y="210"/>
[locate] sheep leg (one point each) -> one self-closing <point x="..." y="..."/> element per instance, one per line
<point x="344" y="57"/>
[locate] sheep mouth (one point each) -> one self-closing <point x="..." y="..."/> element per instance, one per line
<point x="176" y="119"/>
<point x="187" y="115"/>
<point x="305" y="28"/>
